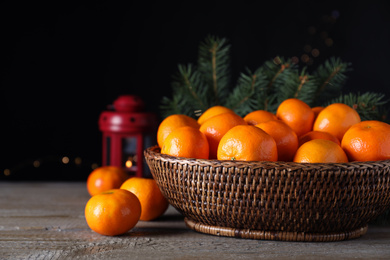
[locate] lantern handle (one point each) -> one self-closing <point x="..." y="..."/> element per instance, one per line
<point x="129" y="103"/>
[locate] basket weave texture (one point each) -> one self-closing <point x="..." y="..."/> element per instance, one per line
<point x="273" y="200"/>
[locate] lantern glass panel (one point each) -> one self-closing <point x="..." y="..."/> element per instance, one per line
<point x="149" y="140"/>
<point x="129" y="155"/>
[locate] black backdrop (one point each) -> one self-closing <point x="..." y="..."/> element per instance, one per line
<point x="63" y="63"/>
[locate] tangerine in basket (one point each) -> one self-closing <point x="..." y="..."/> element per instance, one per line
<point x="336" y="118"/>
<point x="186" y="142"/>
<point x="316" y="111"/>
<point x="296" y="114"/>
<point x="213" y="111"/>
<point x="113" y="212"/>
<point x="172" y="122"/>
<point x="367" y="141"/>
<point x="259" y="116"/>
<point x="153" y="202"/>
<point x="105" y="178"/>
<point x="247" y="143"/>
<point x="216" y="127"/>
<point x="320" y="151"/>
<point x="317" y="135"/>
<point x="286" y="139"/>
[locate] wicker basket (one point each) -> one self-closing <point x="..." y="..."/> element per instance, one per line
<point x="274" y="200"/>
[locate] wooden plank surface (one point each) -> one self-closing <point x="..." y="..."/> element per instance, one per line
<point x="45" y="220"/>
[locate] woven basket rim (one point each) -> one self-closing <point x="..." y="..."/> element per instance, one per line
<point x="155" y="152"/>
<point x="335" y="200"/>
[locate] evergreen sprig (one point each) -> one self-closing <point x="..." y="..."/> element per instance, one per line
<point x="246" y="96"/>
<point x="331" y="77"/>
<point x="208" y="83"/>
<point x="214" y="65"/>
<point x="189" y="91"/>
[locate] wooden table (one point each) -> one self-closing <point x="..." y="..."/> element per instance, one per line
<point x="45" y="220"/>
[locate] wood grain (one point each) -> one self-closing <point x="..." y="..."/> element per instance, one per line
<point x="45" y="220"/>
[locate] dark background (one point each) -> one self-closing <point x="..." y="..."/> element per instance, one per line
<point x="63" y="63"/>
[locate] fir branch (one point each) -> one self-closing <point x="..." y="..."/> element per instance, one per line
<point x="274" y="68"/>
<point x="289" y="87"/>
<point x="170" y="106"/>
<point x="214" y="65"/>
<point x="303" y="80"/>
<point x="191" y="80"/>
<point x="331" y="78"/>
<point x="189" y="92"/>
<point x="307" y="92"/>
<point x="369" y="105"/>
<point x="280" y="74"/>
<point x="303" y="88"/>
<point x="244" y="97"/>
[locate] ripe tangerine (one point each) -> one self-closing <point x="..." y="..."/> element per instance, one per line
<point x="153" y="202"/>
<point x="336" y="119"/>
<point x="186" y="141"/>
<point x="296" y="114"/>
<point x="286" y="139"/>
<point x="259" y="116"/>
<point x="105" y="178"/>
<point x="216" y="127"/>
<point x="367" y="141"/>
<point x="113" y="212"/>
<point x="213" y="111"/>
<point x="248" y="143"/>
<point x="172" y="122"/>
<point x="320" y="151"/>
<point x="317" y="135"/>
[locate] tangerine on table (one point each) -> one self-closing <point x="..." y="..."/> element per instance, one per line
<point x="215" y="127"/>
<point x="172" y="122"/>
<point x="113" y="212"/>
<point x="186" y="142"/>
<point x="213" y="111"/>
<point x="248" y="143"/>
<point x="320" y="151"/>
<point x="105" y="178"/>
<point x="296" y="114"/>
<point x="286" y="139"/>
<point x="259" y="116"/>
<point x="153" y="203"/>
<point x="336" y="118"/>
<point x="367" y="141"/>
<point x="317" y="135"/>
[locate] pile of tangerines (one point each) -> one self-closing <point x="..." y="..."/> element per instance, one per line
<point x="295" y="133"/>
<point x="118" y="202"/>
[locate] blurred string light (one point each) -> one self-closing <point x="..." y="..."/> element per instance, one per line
<point x="36" y="163"/>
<point x="7" y="172"/>
<point x="319" y="39"/>
<point x="59" y="161"/>
<point x="65" y="160"/>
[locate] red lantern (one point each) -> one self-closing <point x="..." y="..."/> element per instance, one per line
<point x="127" y="132"/>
